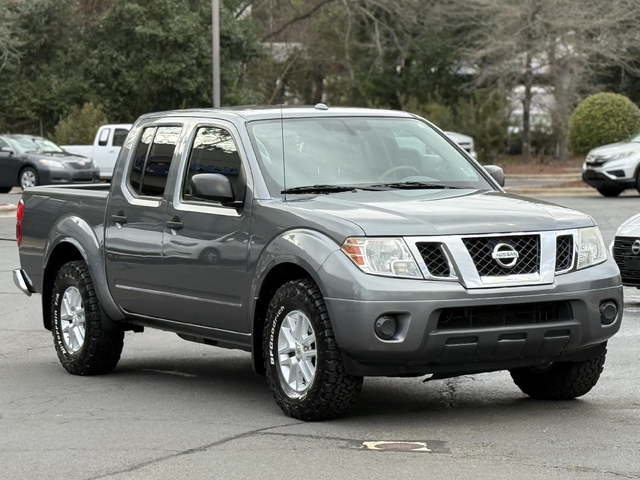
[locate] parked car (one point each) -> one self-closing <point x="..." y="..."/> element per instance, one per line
<point x="613" y="168"/>
<point x="27" y="161"/>
<point x="465" y="141"/>
<point x="626" y="251"/>
<point x="105" y="149"/>
<point x="334" y="260"/>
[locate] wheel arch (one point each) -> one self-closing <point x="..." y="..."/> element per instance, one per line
<point x="72" y="238"/>
<point x="293" y="254"/>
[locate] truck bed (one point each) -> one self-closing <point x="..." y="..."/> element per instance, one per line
<point x="44" y="207"/>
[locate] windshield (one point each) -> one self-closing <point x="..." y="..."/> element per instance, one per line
<point x="358" y="151"/>
<point x="36" y="144"/>
<point x="634" y="139"/>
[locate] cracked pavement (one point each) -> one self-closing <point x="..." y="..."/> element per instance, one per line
<point x="174" y="409"/>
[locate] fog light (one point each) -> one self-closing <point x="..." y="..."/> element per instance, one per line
<point x="386" y="327"/>
<point x="608" y="312"/>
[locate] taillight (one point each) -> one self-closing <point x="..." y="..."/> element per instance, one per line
<point x="19" y="217"/>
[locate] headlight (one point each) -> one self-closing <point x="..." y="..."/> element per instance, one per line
<point x="622" y="155"/>
<point x="54" y="164"/>
<point x="382" y="256"/>
<point x="591" y="247"/>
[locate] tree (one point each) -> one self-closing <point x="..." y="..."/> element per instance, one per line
<point x="562" y="43"/>
<point x="8" y="43"/>
<point x="79" y="127"/>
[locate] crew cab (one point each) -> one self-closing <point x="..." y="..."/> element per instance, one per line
<point x="331" y="244"/>
<point x="105" y="149"/>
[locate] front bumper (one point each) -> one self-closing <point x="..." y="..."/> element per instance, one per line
<point x="62" y="177"/>
<point x="420" y="346"/>
<point x="616" y="174"/>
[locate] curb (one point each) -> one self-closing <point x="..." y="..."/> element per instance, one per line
<point x="6" y="208"/>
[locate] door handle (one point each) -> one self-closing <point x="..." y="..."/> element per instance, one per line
<point x="175" y="224"/>
<point x="119" y="218"/>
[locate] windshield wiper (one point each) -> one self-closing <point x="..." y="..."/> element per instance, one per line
<point x="415" y="185"/>
<point x="329" y="188"/>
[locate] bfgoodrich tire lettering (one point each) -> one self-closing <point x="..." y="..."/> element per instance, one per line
<point x="101" y="349"/>
<point x="332" y="391"/>
<point x="562" y="380"/>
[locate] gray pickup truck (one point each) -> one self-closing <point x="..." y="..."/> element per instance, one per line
<point x="330" y="243"/>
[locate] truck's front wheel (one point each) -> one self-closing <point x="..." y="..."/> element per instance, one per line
<point x="561" y="380"/>
<point x="303" y="363"/>
<point x="84" y="347"/>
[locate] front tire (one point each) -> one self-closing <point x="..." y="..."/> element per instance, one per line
<point x="5" y="189"/>
<point x="610" y="191"/>
<point x="561" y="380"/>
<point x="303" y="363"/>
<point x="29" y="178"/>
<point x="83" y="345"/>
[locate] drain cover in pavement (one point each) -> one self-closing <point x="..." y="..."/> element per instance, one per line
<point x="397" y="446"/>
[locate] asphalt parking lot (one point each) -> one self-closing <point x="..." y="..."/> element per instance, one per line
<point x="174" y="410"/>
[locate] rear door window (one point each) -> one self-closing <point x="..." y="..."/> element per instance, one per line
<point x="119" y="136"/>
<point x="156" y="169"/>
<point x="140" y="157"/>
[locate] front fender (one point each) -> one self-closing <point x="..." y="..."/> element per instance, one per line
<point x="77" y="232"/>
<point x="307" y="249"/>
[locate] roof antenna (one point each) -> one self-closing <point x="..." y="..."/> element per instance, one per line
<point x="284" y="163"/>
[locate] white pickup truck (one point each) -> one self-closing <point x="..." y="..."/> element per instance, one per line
<point x="105" y="149"/>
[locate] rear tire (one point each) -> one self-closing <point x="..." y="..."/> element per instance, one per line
<point x="610" y="191"/>
<point x="5" y="189"/>
<point x="331" y="391"/>
<point x="94" y="352"/>
<point x="562" y="380"/>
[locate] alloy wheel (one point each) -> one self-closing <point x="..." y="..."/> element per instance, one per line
<point x="72" y="320"/>
<point x="28" y="179"/>
<point x="297" y="355"/>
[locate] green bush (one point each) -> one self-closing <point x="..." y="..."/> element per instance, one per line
<point x="602" y="119"/>
<point x="79" y="127"/>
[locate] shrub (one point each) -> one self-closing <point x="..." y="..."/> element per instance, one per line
<point x="79" y="127"/>
<point x="602" y="119"/>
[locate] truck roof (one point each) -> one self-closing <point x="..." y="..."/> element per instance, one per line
<point x="250" y="113"/>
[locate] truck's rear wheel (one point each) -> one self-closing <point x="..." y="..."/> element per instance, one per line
<point x="561" y="380"/>
<point x="303" y="364"/>
<point x="84" y="347"/>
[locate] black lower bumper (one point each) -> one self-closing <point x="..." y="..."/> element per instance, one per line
<point x="599" y="180"/>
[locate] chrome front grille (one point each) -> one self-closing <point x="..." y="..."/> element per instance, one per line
<point x="435" y="259"/>
<point x="480" y="261"/>
<point x="84" y="165"/>
<point x="564" y="252"/>
<point x="482" y="251"/>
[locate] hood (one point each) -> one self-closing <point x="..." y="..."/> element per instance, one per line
<point x="607" y="151"/>
<point x="442" y="212"/>
<point x="71" y="159"/>
<point x="630" y="227"/>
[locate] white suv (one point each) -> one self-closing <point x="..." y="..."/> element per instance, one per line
<point x="613" y="168"/>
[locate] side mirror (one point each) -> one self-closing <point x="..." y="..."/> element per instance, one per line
<point x="6" y="150"/>
<point x="213" y="186"/>
<point x="496" y="173"/>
